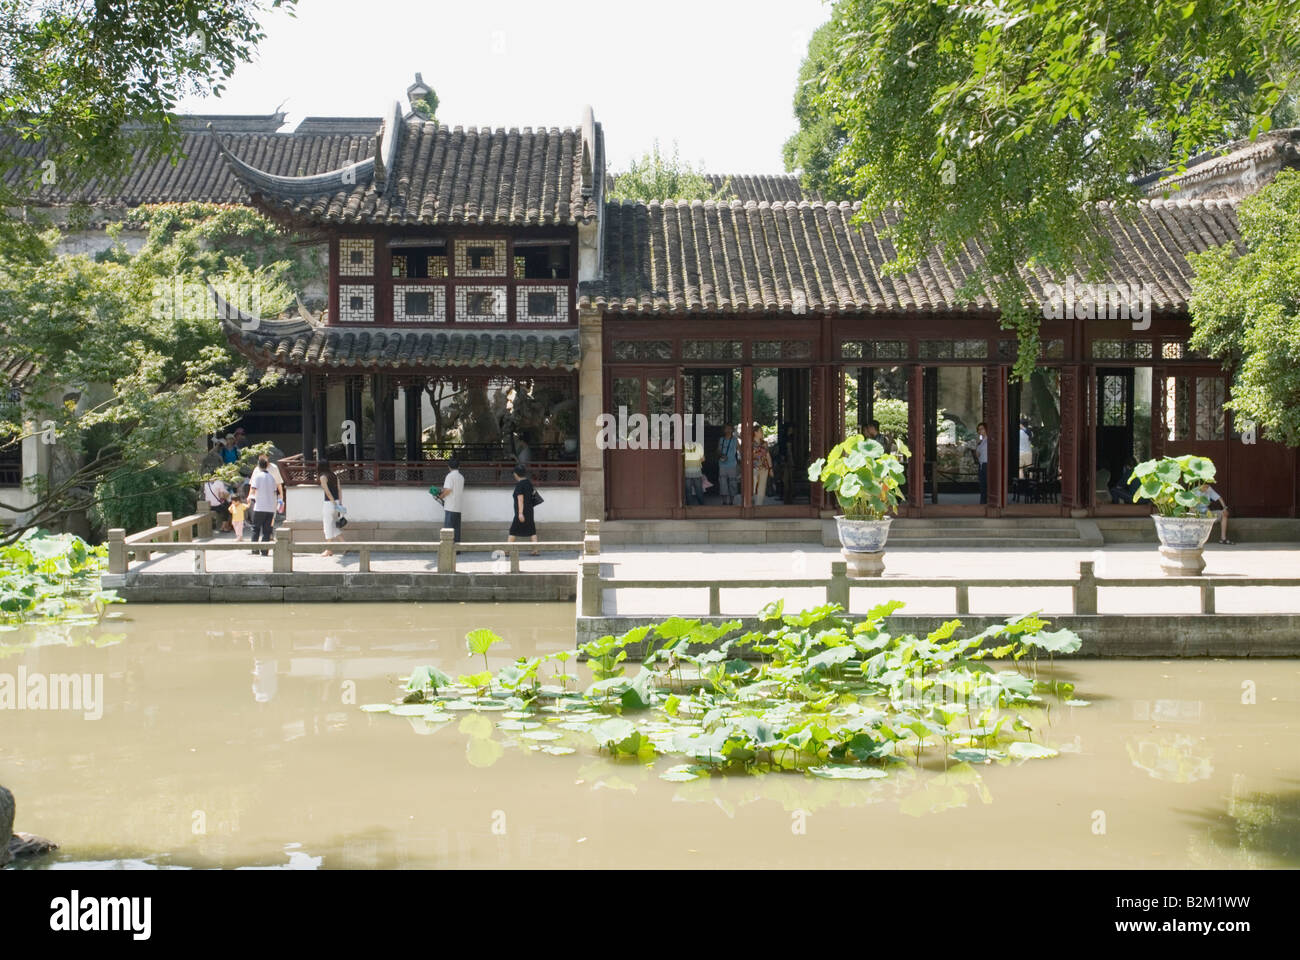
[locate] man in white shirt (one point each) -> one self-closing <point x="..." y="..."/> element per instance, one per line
<point x="451" y="497"/>
<point x="1026" y="446"/>
<point x="262" y="491"/>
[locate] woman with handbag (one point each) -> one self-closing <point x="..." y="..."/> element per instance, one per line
<point x="332" y="510"/>
<point x="523" y="499"/>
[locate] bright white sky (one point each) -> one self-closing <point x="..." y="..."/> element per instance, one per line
<point x="716" y="76"/>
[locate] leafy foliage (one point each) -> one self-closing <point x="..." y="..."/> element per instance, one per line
<point x="133" y="501"/>
<point x="811" y="693"/>
<point x="53" y="578"/>
<point x="813" y="147"/>
<point x="126" y="374"/>
<point x="1172" y="484"/>
<point x="1001" y="123"/>
<point x="864" y="478"/>
<point x="1246" y="308"/>
<point x="657" y="177"/>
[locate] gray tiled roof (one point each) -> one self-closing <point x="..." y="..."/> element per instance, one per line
<point x="760" y="257"/>
<point x="200" y="174"/>
<point x="759" y="187"/>
<point x="295" y="345"/>
<point x="452" y="175"/>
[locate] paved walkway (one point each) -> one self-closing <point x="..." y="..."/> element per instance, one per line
<point x="798" y="561"/>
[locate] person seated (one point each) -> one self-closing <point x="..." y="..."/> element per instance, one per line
<point x="1216" y="502"/>
<point x="1122" y="487"/>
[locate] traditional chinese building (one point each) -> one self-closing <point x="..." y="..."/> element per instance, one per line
<point x="485" y="300"/>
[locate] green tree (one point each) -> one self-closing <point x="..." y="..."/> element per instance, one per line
<point x="656" y="177"/>
<point x="1001" y="123"/>
<point x="812" y="148"/>
<point x="129" y="367"/>
<point x="93" y="80"/>
<point x="1246" y="308"/>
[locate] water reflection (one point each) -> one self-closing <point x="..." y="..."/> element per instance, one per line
<point x="253" y="720"/>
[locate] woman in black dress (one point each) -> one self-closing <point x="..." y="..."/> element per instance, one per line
<point x="521" y="499"/>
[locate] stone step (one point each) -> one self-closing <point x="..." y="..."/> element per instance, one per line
<point x="968" y="543"/>
<point x="900" y="532"/>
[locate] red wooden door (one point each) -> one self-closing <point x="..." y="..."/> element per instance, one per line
<point x="644" y="460"/>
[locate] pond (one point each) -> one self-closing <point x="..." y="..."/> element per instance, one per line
<point x="232" y="736"/>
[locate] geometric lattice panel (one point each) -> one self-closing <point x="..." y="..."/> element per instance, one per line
<point x="356" y="303"/>
<point x="480" y="304"/>
<point x="419" y="303"/>
<point x="542" y="304"/>
<point x="356" y="257"/>
<point x="480" y="258"/>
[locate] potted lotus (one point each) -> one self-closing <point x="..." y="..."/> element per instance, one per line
<point x="1175" y="487"/>
<point x="866" y="480"/>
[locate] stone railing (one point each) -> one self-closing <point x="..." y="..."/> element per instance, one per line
<point x="178" y="536"/>
<point x="1083" y="587"/>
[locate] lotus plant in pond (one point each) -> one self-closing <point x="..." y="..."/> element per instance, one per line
<point x="814" y="692"/>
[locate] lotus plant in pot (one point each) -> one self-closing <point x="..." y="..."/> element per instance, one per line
<point x="1177" y="488"/>
<point x="867" y="482"/>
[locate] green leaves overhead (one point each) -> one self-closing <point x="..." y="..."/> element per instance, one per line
<point x="1001" y="124"/>
<point x="1245" y="311"/>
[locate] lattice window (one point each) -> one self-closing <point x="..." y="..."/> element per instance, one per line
<point x="356" y="303"/>
<point x="356" y="257"/>
<point x="1114" y="401"/>
<point x="711" y="350"/>
<point x="1173" y="350"/>
<point x="1209" y="408"/>
<point x="474" y="304"/>
<point x="480" y="258"/>
<point x="542" y="304"/>
<point x="954" y="349"/>
<point x="422" y="304"/>
<point x="782" y="349"/>
<point x="1121" y="349"/>
<point x="1047" y="349"/>
<point x="643" y="350"/>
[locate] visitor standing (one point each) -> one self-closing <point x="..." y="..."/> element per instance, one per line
<point x="523" y="500"/>
<point x="238" y="508"/>
<point x="451" y="497"/>
<point x="217" y="494"/>
<point x="981" y="455"/>
<point x="762" y="466"/>
<point x="693" y="459"/>
<point x="281" y="499"/>
<point x="728" y="466"/>
<point x="333" y="505"/>
<point x="229" y="452"/>
<point x="262" y="492"/>
<point x="1026" y="447"/>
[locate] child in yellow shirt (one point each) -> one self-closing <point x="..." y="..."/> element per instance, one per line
<point x="237" y="510"/>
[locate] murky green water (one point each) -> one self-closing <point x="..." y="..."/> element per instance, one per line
<point x="232" y="736"/>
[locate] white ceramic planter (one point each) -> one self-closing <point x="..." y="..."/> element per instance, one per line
<point x="863" y="536"/>
<point x="1182" y="543"/>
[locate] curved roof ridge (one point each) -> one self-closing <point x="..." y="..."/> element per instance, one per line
<point x="260" y="181"/>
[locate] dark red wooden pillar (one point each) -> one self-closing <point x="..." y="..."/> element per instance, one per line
<point x="915" y="435"/>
